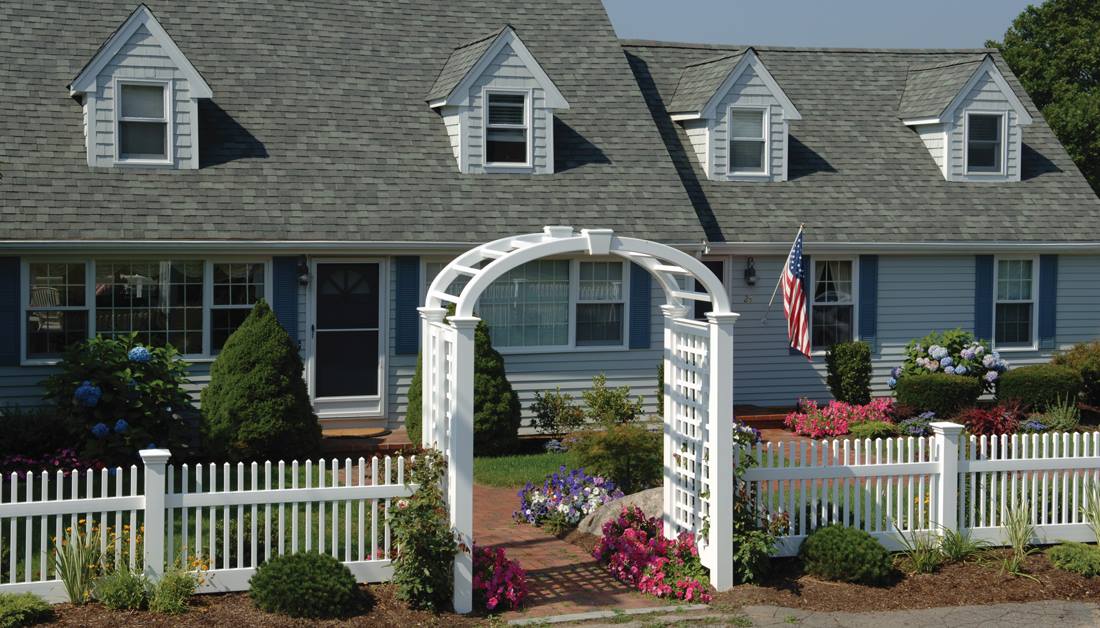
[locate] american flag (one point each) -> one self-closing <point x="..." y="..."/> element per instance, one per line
<point x="794" y="299"/>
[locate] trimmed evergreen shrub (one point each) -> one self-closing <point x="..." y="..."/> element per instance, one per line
<point x="1040" y="385"/>
<point x="23" y="609"/>
<point x="304" y="585"/>
<point x="873" y="429"/>
<point x="1084" y="357"/>
<point x="627" y="454"/>
<point x="941" y="393"/>
<point x="1076" y="557"/>
<point x="846" y="554"/>
<point x="256" y="405"/>
<point x="849" y="372"/>
<point x="497" y="411"/>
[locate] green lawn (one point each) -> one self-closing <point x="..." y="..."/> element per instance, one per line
<point x="515" y="471"/>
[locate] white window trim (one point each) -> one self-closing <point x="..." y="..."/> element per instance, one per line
<point x="1034" y="301"/>
<point x="89" y="296"/>
<point x="528" y="127"/>
<point x="208" y="298"/>
<point x="814" y="259"/>
<point x="1003" y="142"/>
<point x="169" y="127"/>
<point x="766" y="130"/>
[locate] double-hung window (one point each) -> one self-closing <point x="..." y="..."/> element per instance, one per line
<point x="237" y="286"/>
<point x="57" y="308"/>
<point x="833" y="303"/>
<point x="161" y="300"/>
<point x="748" y="141"/>
<point x="600" y="304"/>
<point x="529" y="306"/>
<point x="507" y="129"/>
<point x="1014" y="315"/>
<point x="143" y="122"/>
<point x="984" y="143"/>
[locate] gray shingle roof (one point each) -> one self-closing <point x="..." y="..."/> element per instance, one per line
<point x="856" y="174"/>
<point x="699" y="82"/>
<point x="319" y="131"/>
<point x="461" y="61"/>
<point x="929" y="89"/>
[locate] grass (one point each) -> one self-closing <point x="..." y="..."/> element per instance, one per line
<point x="515" y="471"/>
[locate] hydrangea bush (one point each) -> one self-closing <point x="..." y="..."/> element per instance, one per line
<point x="834" y="419"/>
<point x="564" y="498"/>
<point x="498" y="582"/>
<point x="636" y="553"/>
<point x="954" y="352"/>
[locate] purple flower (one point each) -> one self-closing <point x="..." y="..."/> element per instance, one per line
<point x="991" y="376"/>
<point x="100" y="430"/>
<point x="895" y="372"/>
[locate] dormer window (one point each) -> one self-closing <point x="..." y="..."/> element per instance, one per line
<point x="748" y="141"/>
<point x="984" y="143"/>
<point x="507" y="129"/>
<point x="143" y="122"/>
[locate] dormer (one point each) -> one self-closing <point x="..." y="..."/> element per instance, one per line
<point x="140" y="97"/>
<point x="969" y="118"/>
<point x="498" y="106"/>
<point x="736" y="117"/>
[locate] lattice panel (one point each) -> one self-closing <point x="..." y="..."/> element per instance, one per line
<point x="687" y="379"/>
<point x="438" y="382"/>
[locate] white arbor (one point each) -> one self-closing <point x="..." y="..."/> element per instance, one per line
<point x="698" y="367"/>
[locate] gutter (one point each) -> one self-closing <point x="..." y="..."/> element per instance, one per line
<point x="919" y="248"/>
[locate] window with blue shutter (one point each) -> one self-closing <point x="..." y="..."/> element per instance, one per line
<point x="641" y="306"/>
<point x="868" y="300"/>
<point x="284" y="293"/>
<point x="983" y="297"/>
<point x="9" y="311"/>
<point x="406" y="324"/>
<point x="1048" y="301"/>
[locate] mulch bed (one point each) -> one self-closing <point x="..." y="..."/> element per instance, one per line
<point x="380" y="608"/>
<point x="980" y="582"/>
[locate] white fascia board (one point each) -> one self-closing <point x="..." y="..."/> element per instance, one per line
<point x="460" y="95"/>
<point x="914" y="248"/>
<point x="679" y="117"/>
<point x="86" y="81"/>
<point x="790" y="112"/>
<point x="921" y="121"/>
<point x="988" y="66"/>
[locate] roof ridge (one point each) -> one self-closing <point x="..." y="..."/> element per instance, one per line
<point x="717" y="58"/>
<point x="654" y="43"/>
<point x="481" y="39"/>
<point x="947" y="64"/>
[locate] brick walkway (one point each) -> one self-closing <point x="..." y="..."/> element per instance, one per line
<point x="561" y="577"/>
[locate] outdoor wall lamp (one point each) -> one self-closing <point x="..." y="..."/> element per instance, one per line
<point x="303" y="271"/>
<point x="750" y="272"/>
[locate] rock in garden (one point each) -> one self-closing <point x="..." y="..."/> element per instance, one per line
<point x="650" y="501"/>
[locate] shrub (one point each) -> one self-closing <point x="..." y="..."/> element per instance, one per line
<point x="755" y="530"/>
<point x="954" y="352"/>
<point x="873" y="429"/>
<point x="1084" y="357"/>
<point x="610" y="406"/>
<point x="555" y="412"/>
<point x="661" y="389"/>
<point x="118" y="396"/>
<point x="849" y="372"/>
<point x="426" y="545"/>
<point x="635" y="552"/>
<point x="34" y="432"/>
<point x="498" y="582"/>
<point x="171" y="593"/>
<point x="1040" y="385"/>
<point x="304" y="585"/>
<point x="1061" y="417"/>
<point x="257" y="405"/>
<point x="414" y="415"/>
<point x="122" y="589"/>
<point x="1076" y="557"/>
<point x="1001" y="419"/>
<point x="629" y="455"/>
<point x="847" y="554"/>
<point x="940" y="393"/>
<point x="835" y="418"/>
<point x="23" y="609"/>
<point x="565" y="496"/>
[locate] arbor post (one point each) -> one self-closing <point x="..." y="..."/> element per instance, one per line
<point x="947" y="484"/>
<point x="460" y="459"/>
<point x="430" y="387"/>
<point x="155" y="462"/>
<point x="720" y="447"/>
<point x="671" y="313"/>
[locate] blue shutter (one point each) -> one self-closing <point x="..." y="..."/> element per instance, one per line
<point x="868" y="300"/>
<point x="284" y="293"/>
<point x="9" y="311"/>
<point x="983" y="297"/>
<point x="807" y="292"/>
<point x="406" y="324"/>
<point x="1048" y="301"/>
<point x="641" y="306"/>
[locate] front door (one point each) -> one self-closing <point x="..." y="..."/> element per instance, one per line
<point x="347" y="339"/>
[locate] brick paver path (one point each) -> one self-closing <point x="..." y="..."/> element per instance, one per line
<point x="562" y="578"/>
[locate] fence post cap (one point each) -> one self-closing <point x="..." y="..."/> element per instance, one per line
<point x="945" y="427"/>
<point x="155" y="455"/>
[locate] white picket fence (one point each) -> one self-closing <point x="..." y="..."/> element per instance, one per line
<point x="918" y="485"/>
<point x="223" y="520"/>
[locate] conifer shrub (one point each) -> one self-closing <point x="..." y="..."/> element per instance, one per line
<point x="1040" y="386"/>
<point x="849" y="372"/>
<point x="1076" y="557"/>
<point x="414" y="421"/>
<point x="846" y="554"/>
<point x="304" y="585"/>
<point x="256" y="405"/>
<point x="23" y="609"/>
<point x="943" y="394"/>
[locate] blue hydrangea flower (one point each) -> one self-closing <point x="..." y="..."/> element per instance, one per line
<point x="87" y="394"/>
<point x="989" y="361"/>
<point x="895" y="372"/>
<point x="946" y="361"/>
<point x="967" y="354"/>
<point x="991" y="376"/>
<point x="961" y="370"/>
<point x="1034" y="426"/>
<point x="927" y="415"/>
<point x="100" y="430"/>
<point x="978" y="350"/>
<point x="139" y="354"/>
<point x="121" y="426"/>
<point x="892" y="382"/>
<point x="950" y="370"/>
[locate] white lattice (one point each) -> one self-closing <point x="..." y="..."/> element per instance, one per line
<point x="687" y="391"/>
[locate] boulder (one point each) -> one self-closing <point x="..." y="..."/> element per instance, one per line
<point x="651" y="501"/>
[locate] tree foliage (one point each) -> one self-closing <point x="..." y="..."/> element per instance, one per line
<point x="1054" y="48"/>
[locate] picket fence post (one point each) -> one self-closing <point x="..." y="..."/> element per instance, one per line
<point x="947" y="448"/>
<point x="156" y="464"/>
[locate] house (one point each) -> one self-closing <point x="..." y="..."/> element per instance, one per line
<point x="166" y="165"/>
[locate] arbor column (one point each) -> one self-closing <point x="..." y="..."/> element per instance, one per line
<point x="720" y="446"/>
<point x="430" y="382"/>
<point x="671" y="313"/>
<point x="460" y="459"/>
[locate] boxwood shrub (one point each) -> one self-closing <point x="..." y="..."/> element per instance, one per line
<point x="849" y="372"/>
<point x="846" y="554"/>
<point x="941" y="393"/>
<point x="1040" y="385"/>
<point x="304" y="585"/>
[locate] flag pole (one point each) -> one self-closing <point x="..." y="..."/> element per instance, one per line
<point x="764" y="318"/>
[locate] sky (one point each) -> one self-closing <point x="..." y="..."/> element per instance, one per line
<point x="836" y="23"/>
